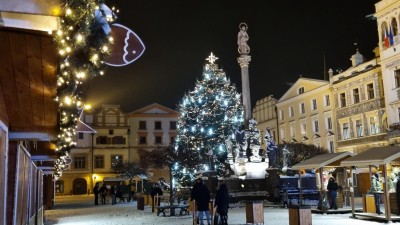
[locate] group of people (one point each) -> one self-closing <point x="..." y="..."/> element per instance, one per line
<point x="102" y="192"/>
<point x="202" y="197"/>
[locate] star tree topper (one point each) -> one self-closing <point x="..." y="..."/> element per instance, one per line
<point x="212" y="58"/>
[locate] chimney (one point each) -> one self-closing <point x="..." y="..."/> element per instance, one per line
<point x="330" y="72"/>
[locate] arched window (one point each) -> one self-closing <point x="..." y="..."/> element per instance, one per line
<point x="393" y="24"/>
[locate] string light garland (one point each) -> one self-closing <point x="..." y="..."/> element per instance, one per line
<point x="82" y="41"/>
<point x="209" y="115"/>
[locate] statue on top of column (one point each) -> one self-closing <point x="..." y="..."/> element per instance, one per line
<point x="243" y="37"/>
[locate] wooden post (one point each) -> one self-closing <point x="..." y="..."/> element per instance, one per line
<point x="386" y="201"/>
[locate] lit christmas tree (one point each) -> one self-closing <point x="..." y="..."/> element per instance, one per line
<point x="208" y="117"/>
<point x="254" y="136"/>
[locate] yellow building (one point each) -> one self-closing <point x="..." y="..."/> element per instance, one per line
<point x="359" y="106"/>
<point x="305" y="114"/>
<point x="388" y="21"/>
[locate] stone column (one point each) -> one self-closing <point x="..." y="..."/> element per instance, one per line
<point x="244" y="65"/>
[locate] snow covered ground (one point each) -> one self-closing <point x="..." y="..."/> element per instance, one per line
<point x="79" y="210"/>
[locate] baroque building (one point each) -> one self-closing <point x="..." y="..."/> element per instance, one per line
<point x="305" y="114"/>
<point x="265" y="114"/>
<point x="388" y="22"/>
<point x="153" y="126"/>
<point x="359" y="106"/>
<point x="96" y="150"/>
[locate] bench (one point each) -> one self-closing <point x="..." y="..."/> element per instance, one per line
<point x="183" y="209"/>
<point x="291" y="194"/>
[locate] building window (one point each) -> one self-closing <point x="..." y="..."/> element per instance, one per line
<point x="327" y="100"/>
<point x="343" y="99"/>
<point x="116" y="159"/>
<point x="303" y="128"/>
<point x="102" y="140"/>
<point x="331" y="146"/>
<point x="291" y="111"/>
<point x="110" y="132"/>
<point x="316" y="126"/>
<point x="142" y="140"/>
<point x="80" y="136"/>
<point x="282" y="133"/>
<point x="158" y="140"/>
<point x="359" y="128"/>
<point x="172" y="125"/>
<point x="397" y="78"/>
<point x="329" y="123"/>
<point x="356" y="96"/>
<point x="142" y="125"/>
<point x="301" y="90"/>
<point x="172" y="139"/>
<point x="80" y="162"/>
<point x="292" y="130"/>
<point x="118" y="140"/>
<point x="281" y="115"/>
<point x="157" y="125"/>
<point x="302" y="108"/>
<point x="98" y="161"/>
<point x="346" y="134"/>
<point x="373" y="125"/>
<point x="314" y="104"/>
<point x="370" y="90"/>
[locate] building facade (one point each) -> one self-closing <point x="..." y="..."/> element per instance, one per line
<point x="359" y="106"/>
<point x="96" y="151"/>
<point x="265" y="114"/>
<point x="305" y="114"/>
<point x="388" y="22"/>
<point x="153" y="126"/>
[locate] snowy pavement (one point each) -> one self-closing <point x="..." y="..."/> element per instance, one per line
<point x="79" y="210"/>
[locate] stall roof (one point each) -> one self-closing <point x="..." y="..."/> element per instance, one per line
<point x="373" y="156"/>
<point x="323" y="160"/>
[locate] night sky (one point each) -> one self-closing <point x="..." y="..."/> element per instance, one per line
<point x="287" y="39"/>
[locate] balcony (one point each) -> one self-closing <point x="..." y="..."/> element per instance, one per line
<point x="362" y="140"/>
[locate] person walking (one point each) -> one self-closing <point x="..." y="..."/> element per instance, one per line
<point x="103" y="192"/>
<point x="332" y="191"/>
<point x="376" y="190"/>
<point x="155" y="191"/>
<point x="222" y="203"/>
<point x="96" y="194"/>
<point x="202" y="197"/>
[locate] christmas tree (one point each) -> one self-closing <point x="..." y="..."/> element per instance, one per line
<point x="209" y="115"/>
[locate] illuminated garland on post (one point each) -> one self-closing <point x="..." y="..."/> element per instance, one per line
<point x="83" y="41"/>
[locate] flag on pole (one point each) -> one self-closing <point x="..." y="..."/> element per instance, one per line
<point x="386" y="41"/>
<point x="391" y="41"/>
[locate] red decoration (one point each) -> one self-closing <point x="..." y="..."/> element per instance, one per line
<point x="127" y="46"/>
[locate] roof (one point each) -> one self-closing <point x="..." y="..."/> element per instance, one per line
<point x="323" y="160"/>
<point x="373" y="156"/>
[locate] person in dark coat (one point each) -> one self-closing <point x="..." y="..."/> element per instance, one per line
<point x="202" y="197"/>
<point x="103" y="192"/>
<point x="332" y="190"/>
<point x="96" y="194"/>
<point x="155" y="191"/>
<point x="398" y="192"/>
<point x="113" y="194"/>
<point x="222" y="203"/>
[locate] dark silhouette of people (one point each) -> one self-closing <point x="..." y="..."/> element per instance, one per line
<point x="103" y="192"/>
<point x="156" y="191"/>
<point x="222" y="203"/>
<point x="96" y="194"/>
<point x="332" y="191"/>
<point x="376" y="190"/>
<point x="113" y="194"/>
<point x="201" y="195"/>
<point x="398" y="192"/>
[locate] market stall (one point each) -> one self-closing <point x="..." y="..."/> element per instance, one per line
<point x="380" y="158"/>
<point x="320" y="162"/>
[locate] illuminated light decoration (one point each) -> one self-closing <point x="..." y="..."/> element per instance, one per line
<point x="216" y="113"/>
<point x="82" y="43"/>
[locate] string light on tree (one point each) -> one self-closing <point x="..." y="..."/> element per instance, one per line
<point x="208" y="116"/>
